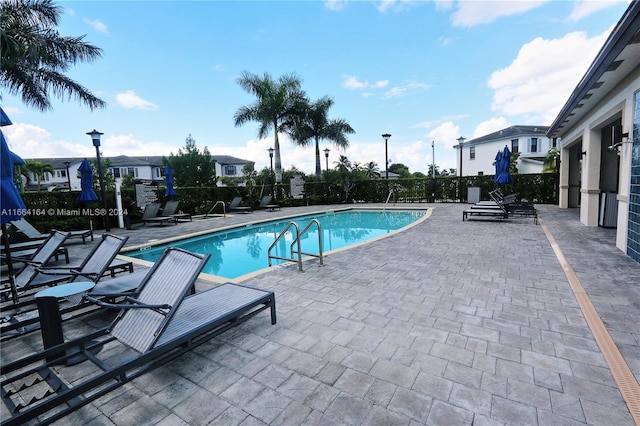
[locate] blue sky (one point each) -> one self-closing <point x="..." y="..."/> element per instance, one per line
<point x="422" y="71"/>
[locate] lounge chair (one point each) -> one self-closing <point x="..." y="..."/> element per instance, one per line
<point x="92" y="268"/>
<point x="265" y="203"/>
<point x="32" y="233"/>
<point x="234" y="206"/>
<point x="41" y="253"/>
<point x="155" y="326"/>
<point x="151" y="215"/>
<point x="170" y="208"/>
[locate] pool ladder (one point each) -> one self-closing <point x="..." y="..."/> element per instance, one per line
<point x="224" y="208"/>
<point x="296" y="242"/>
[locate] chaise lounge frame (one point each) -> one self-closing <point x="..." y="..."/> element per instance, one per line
<point x="191" y="321"/>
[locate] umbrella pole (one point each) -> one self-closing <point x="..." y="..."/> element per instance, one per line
<point x="12" y="280"/>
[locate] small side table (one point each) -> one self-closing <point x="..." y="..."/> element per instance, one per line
<point x="50" y="318"/>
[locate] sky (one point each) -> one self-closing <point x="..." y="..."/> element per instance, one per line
<point x="423" y="71"/>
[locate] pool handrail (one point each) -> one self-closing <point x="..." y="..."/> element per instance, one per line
<point x="224" y="208"/>
<point x="297" y="241"/>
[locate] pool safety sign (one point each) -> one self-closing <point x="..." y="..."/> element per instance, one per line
<point x="296" y="183"/>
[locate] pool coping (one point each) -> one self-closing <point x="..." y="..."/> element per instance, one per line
<point x="242" y="278"/>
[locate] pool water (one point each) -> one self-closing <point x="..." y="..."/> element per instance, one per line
<point x="239" y="251"/>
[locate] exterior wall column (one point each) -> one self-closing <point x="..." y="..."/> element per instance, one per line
<point x="590" y="191"/>
<point x="565" y="160"/>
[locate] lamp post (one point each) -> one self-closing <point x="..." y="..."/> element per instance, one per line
<point x="326" y="156"/>
<point x="460" y="143"/>
<point x="271" y="174"/>
<point x="386" y="137"/>
<point x="95" y="138"/>
<point x="433" y="159"/>
<point x="67" y="164"/>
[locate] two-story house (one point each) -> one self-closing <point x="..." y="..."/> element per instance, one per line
<point x="476" y="157"/>
<point x="149" y="168"/>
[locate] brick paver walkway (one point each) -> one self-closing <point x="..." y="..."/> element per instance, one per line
<point x="448" y="323"/>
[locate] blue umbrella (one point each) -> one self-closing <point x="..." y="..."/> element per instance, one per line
<point x="168" y="174"/>
<point x="87" y="194"/>
<point x="496" y="178"/>
<point x="12" y="206"/>
<point x="502" y="167"/>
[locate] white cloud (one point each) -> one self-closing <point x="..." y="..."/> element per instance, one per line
<point x="407" y="89"/>
<point x="97" y="25"/>
<point x="445" y="134"/>
<point x="29" y="141"/>
<point x="352" y="82"/>
<point x="470" y="13"/>
<point x="130" y="100"/>
<point x="335" y="5"/>
<point x="129" y="145"/>
<point x="489" y="126"/>
<point x="583" y="8"/>
<point x="395" y="5"/>
<point x="541" y="78"/>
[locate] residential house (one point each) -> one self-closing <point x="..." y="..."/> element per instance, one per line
<point x="146" y="168"/>
<point x="476" y="157"/>
<point x="600" y="130"/>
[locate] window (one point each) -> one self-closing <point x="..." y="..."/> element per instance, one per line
<point x="229" y="170"/>
<point x="115" y="172"/>
<point x="472" y="153"/>
<point x="133" y="171"/>
<point x="514" y="145"/>
<point x="554" y="143"/>
<point x="156" y="172"/>
<point x="61" y="173"/>
<point x="533" y="145"/>
<point x="480" y="173"/>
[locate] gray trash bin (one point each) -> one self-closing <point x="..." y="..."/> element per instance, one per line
<point x="473" y="194"/>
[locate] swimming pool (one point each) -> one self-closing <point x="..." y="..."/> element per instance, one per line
<point x="243" y="250"/>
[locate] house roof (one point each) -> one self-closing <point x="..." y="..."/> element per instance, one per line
<point x="509" y="133"/>
<point x="619" y="57"/>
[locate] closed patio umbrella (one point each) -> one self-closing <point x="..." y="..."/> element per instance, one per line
<point x="502" y="167"/>
<point x="169" y="191"/>
<point x="13" y="207"/>
<point x="87" y="194"/>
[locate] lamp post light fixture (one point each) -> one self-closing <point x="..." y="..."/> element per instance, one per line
<point x="95" y="138"/>
<point x="386" y="137"/>
<point x="326" y="156"/>
<point x="271" y="173"/>
<point x="460" y="143"/>
<point x="67" y="164"/>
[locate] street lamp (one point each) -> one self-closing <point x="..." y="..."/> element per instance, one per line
<point x="271" y="174"/>
<point x="95" y="138"/>
<point x="67" y="164"/>
<point x="460" y="143"/>
<point x="433" y="159"/>
<point x="386" y="137"/>
<point x="326" y="156"/>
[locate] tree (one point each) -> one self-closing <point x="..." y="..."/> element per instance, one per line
<point x="34" y="55"/>
<point x="192" y="167"/>
<point x="315" y="125"/>
<point x="39" y="169"/>
<point x="343" y="165"/>
<point x="372" y="170"/>
<point x="551" y="160"/>
<point x="277" y="105"/>
<point x="400" y="169"/>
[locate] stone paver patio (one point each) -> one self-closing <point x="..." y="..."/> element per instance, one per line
<point x="447" y="323"/>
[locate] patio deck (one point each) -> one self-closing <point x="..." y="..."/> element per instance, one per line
<point x="448" y="323"/>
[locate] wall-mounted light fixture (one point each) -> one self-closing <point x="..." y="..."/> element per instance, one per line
<point x="616" y="146"/>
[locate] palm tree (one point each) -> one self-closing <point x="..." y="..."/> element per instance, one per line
<point x="343" y="165"/>
<point x="39" y="169"/>
<point x="277" y="104"/>
<point x="372" y="170"/>
<point x="34" y="55"/>
<point x="314" y="125"/>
